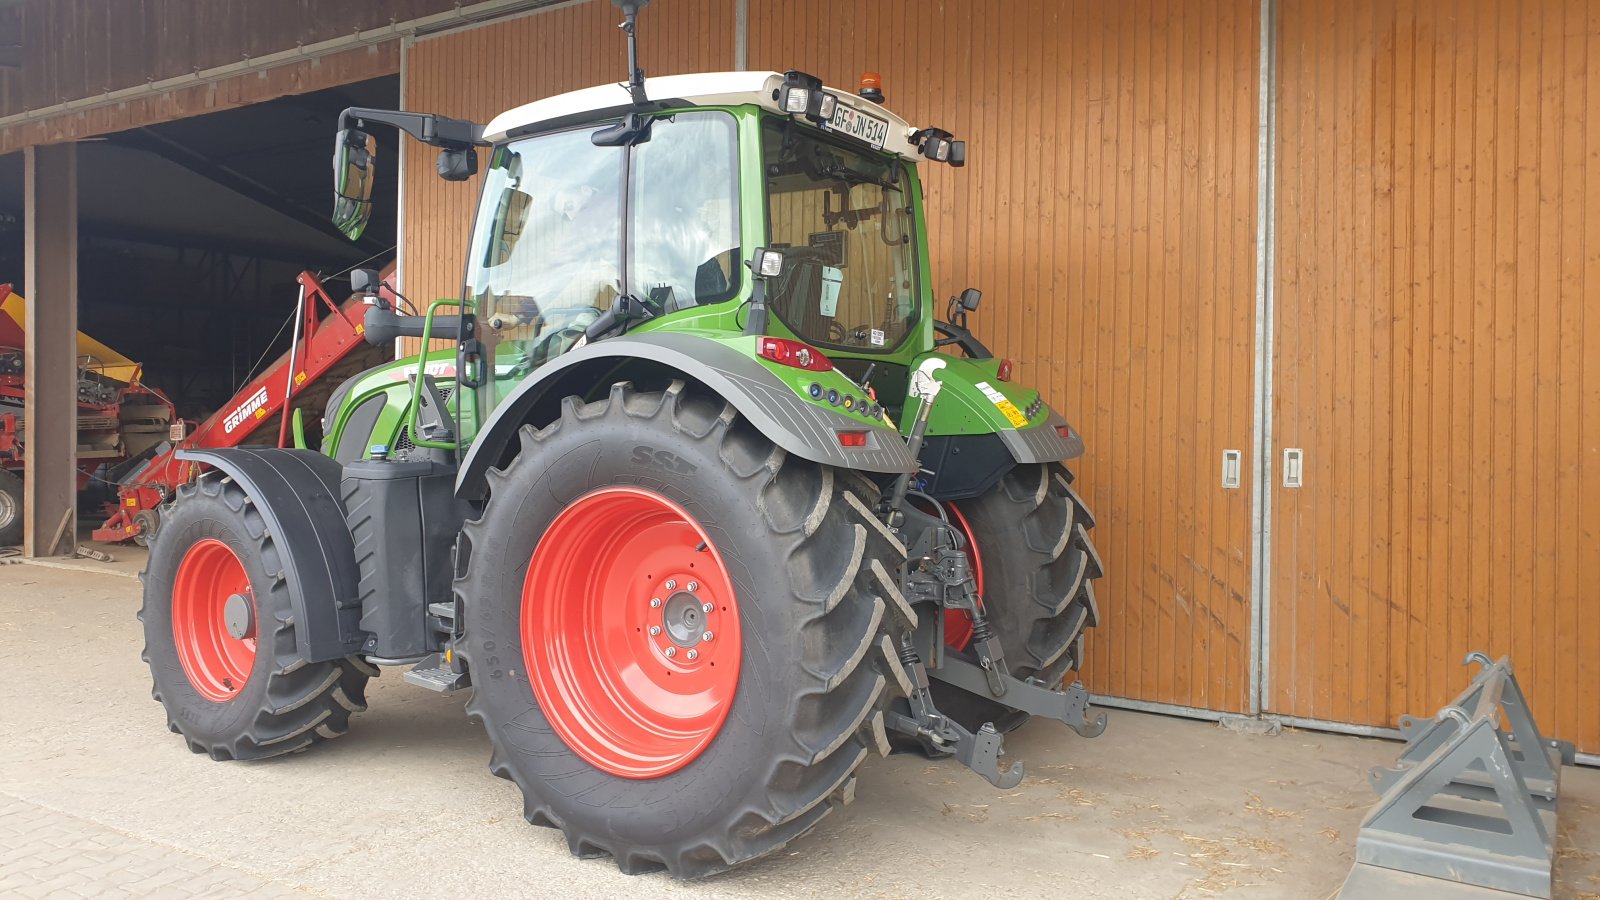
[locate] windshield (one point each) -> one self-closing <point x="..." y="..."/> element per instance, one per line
<point x="548" y="252"/>
<point x="546" y="258"/>
<point x="843" y="220"/>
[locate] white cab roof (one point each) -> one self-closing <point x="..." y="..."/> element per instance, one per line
<point x="706" y="89"/>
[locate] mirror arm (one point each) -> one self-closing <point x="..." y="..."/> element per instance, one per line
<point x="434" y="130"/>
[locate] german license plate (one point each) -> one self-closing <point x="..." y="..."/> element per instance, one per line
<point x="857" y="124"/>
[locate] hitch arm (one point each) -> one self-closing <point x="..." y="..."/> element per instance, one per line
<point x="979" y="752"/>
<point x="1070" y="706"/>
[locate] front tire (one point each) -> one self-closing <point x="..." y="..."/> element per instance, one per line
<point x="660" y="761"/>
<point x="220" y="635"/>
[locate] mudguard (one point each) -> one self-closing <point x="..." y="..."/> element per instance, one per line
<point x="806" y="429"/>
<point x="1043" y="443"/>
<point x="297" y="494"/>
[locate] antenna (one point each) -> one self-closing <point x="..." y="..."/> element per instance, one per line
<point x="630" y="14"/>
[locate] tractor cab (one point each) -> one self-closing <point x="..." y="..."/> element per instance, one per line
<point x="573" y="225"/>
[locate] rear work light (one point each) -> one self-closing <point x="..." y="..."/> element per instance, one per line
<point x="793" y="353"/>
<point x="852" y="438"/>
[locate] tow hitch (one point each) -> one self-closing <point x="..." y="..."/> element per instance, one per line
<point x="937" y="573"/>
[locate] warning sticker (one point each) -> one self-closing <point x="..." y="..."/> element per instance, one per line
<point x="876" y="337"/>
<point x="1006" y="407"/>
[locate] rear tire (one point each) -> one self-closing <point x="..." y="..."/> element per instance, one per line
<point x="10" y="509"/>
<point x="1038" y="565"/>
<point x="811" y="571"/>
<point x="232" y="697"/>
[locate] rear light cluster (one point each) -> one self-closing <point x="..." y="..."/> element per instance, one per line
<point x="852" y="438"/>
<point x="1003" y="372"/>
<point x="785" y="352"/>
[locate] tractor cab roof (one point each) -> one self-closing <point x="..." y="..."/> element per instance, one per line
<point x="706" y="89"/>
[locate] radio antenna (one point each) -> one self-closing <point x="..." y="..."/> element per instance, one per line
<point x="630" y="14"/>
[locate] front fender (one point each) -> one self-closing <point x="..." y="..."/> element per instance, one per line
<point x="297" y="494"/>
<point x="802" y="427"/>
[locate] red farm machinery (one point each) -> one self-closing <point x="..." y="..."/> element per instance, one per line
<point x="119" y="418"/>
<point x="327" y="346"/>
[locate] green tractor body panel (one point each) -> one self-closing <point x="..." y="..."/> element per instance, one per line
<point x="377" y="405"/>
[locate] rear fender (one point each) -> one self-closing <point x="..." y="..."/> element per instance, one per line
<point x="801" y="427"/>
<point x="974" y="401"/>
<point x="297" y="494"/>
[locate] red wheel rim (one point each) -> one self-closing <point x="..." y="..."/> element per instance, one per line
<point x="630" y="632"/>
<point x="216" y="657"/>
<point x="957" y="624"/>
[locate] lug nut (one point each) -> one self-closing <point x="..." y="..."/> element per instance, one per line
<point x="671" y="584"/>
<point x="655" y="630"/>
<point x="706" y="607"/>
<point x="706" y="636"/>
<point x="692" y="586"/>
<point x="693" y="654"/>
<point x="655" y="602"/>
<point x="671" y="651"/>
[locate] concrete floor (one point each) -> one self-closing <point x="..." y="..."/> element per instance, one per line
<point x="96" y="794"/>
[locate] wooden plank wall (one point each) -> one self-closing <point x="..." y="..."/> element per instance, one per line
<point x="78" y="48"/>
<point x="1107" y="212"/>
<point x="1436" y="337"/>
<point x="345" y="67"/>
<point x="480" y="72"/>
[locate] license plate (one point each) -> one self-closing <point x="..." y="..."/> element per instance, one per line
<point x="857" y="124"/>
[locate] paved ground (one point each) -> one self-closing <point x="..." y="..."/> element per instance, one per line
<point x="98" y="799"/>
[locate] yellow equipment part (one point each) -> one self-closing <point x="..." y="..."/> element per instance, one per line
<point x="92" y="354"/>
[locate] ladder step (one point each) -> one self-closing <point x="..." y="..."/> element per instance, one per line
<point x="433" y="675"/>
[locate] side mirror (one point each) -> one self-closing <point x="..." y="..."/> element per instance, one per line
<point x="457" y="163"/>
<point x="969" y="299"/>
<point x="353" y="153"/>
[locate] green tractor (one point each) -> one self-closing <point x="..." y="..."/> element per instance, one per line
<point x="703" y="505"/>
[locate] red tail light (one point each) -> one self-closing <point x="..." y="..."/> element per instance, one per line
<point x="852" y="438"/>
<point x="1004" y="372"/>
<point x="1065" y="431"/>
<point x="793" y="353"/>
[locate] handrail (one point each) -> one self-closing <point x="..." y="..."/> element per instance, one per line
<point x="412" y="420"/>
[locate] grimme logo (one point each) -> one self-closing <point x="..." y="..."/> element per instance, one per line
<point x="245" y="410"/>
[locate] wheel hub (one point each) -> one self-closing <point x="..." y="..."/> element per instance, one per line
<point x="238" y="618"/>
<point x="685" y="619"/>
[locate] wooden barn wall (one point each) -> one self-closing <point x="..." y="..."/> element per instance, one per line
<point x="1436" y="342"/>
<point x="344" y="67"/>
<point x="480" y="72"/>
<point x="78" y="48"/>
<point x="1107" y="211"/>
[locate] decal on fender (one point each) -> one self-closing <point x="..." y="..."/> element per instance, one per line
<point x="1006" y="407"/>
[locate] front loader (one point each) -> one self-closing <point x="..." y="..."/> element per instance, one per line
<point x="703" y="505"/>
